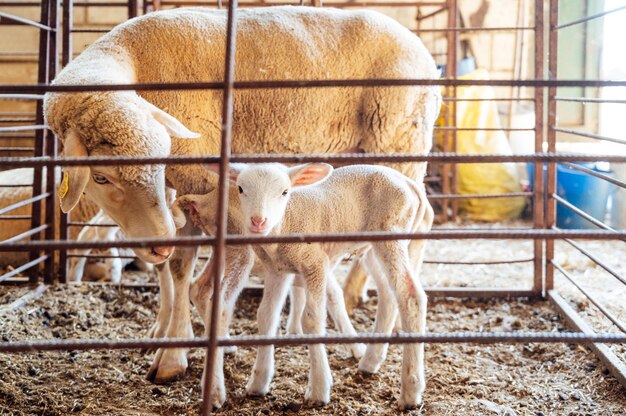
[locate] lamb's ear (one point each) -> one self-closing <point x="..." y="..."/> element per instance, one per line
<point x="234" y="169"/>
<point x="310" y="173"/>
<point x="174" y="127"/>
<point x="178" y="215"/>
<point x="75" y="178"/>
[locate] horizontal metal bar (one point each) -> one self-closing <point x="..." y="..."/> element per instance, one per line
<point x="21" y="97"/>
<point x="16" y="149"/>
<point x="457" y="99"/>
<point x="88" y="224"/>
<point x="90" y="30"/>
<point x="597" y="261"/>
<point x="23" y="203"/>
<point x="590" y="100"/>
<point x="248" y="341"/>
<point x="582" y="213"/>
<point x="15" y="217"/>
<point x="331" y="83"/>
<point x="473" y="263"/>
<point x="474" y="29"/>
<point x="479" y="196"/>
<point x="23" y="267"/>
<point x="591" y="299"/>
<point x="588" y="18"/>
<point x="344" y="158"/>
<point x="188" y="3"/>
<point x="25" y="234"/>
<point x="24" y="299"/>
<point x="23" y="21"/>
<point x="101" y="256"/>
<point x="75" y="4"/>
<point x="589" y="135"/>
<point x="16" y="120"/>
<point x="15" y="281"/>
<point x="318" y="238"/>
<point x="600" y="175"/>
<point x="14" y="185"/>
<point x="614" y="364"/>
<point x="482" y="129"/>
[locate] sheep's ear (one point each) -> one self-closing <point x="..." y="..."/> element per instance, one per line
<point x="310" y="173"/>
<point x="75" y="178"/>
<point x="234" y="169"/>
<point x="174" y="127"/>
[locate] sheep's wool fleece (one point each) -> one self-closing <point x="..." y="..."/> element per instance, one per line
<point x="276" y="43"/>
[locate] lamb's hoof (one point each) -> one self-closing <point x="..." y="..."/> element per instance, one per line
<point x="368" y="366"/>
<point x="317" y="399"/>
<point x="253" y="391"/>
<point x="231" y="350"/>
<point x="168" y="365"/>
<point x="410" y="404"/>
<point x="358" y="350"/>
<point x="218" y="397"/>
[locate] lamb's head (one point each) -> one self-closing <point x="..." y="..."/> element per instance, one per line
<point x="118" y="124"/>
<point x="265" y="189"/>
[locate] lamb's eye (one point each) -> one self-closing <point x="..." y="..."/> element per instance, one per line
<point x="240" y="190"/>
<point x="285" y="192"/>
<point x="100" y="179"/>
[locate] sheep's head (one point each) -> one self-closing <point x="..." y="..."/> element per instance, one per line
<point x="120" y="124"/>
<point x="264" y="190"/>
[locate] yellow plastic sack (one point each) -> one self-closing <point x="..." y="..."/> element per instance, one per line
<point x="484" y="178"/>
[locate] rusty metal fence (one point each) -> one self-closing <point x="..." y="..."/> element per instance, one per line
<point x="44" y="245"/>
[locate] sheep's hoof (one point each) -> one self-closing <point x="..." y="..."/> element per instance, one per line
<point x="218" y="397"/>
<point x="410" y="405"/>
<point x="257" y="391"/>
<point x="168" y="366"/>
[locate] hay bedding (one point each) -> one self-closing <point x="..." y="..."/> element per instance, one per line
<point x="533" y="379"/>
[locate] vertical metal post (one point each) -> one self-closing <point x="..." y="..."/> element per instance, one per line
<point x="219" y="252"/>
<point x="132" y="9"/>
<point x="51" y="146"/>
<point x="40" y="135"/>
<point x="538" y="190"/>
<point x="68" y="18"/>
<point x="454" y="72"/>
<point x="551" y="181"/>
<point x="448" y="136"/>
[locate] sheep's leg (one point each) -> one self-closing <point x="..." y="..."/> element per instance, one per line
<point x="268" y="319"/>
<point x="166" y="301"/>
<point x="297" y="299"/>
<point x="339" y="315"/>
<point x="314" y="322"/>
<point x="386" y="313"/>
<point x="170" y="364"/>
<point x="411" y="300"/>
<point x="354" y="286"/>
<point x="117" y="267"/>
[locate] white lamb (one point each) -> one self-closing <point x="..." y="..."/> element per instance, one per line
<point x="188" y="45"/>
<point x="274" y="200"/>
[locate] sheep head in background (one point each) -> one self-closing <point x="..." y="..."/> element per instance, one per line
<point x="133" y="196"/>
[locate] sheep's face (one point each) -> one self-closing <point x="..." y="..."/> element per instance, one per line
<point x="264" y="191"/>
<point x="134" y="196"/>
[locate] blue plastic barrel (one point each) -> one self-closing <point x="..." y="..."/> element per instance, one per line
<point x="582" y="190"/>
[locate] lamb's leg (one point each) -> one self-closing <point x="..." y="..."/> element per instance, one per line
<point x="314" y="322"/>
<point x="297" y="299"/>
<point x="339" y="315"/>
<point x="170" y="364"/>
<point x="411" y="299"/>
<point x="268" y="319"/>
<point x="386" y="313"/>
<point x="354" y="286"/>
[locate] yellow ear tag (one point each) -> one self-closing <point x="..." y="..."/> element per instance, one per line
<point x="64" y="187"/>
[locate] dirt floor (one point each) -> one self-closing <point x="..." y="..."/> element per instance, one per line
<point x="464" y="379"/>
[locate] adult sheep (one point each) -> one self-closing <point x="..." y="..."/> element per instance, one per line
<point x="188" y="45"/>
